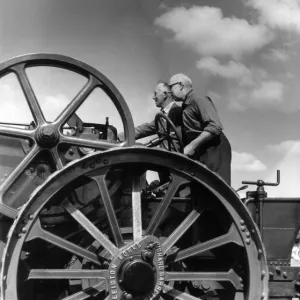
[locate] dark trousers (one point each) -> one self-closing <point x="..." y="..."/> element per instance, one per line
<point x="216" y="155"/>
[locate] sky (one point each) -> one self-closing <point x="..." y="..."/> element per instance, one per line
<point x="242" y="53"/>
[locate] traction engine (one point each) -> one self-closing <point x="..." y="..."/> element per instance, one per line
<point x="79" y="219"/>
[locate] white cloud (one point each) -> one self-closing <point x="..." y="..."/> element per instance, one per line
<point x="230" y="70"/>
<point x="235" y="104"/>
<point x="268" y="92"/>
<point x="206" y="31"/>
<point x="52" y="106"/>
<point x="214" y="96"/>
<point x="282" y="14"/>
<point x="222" y="42"/>
<point x="286" y="147"/>
<point x="277" y="55"/>
<point x="246" y="162"/>
<point x="254" y="78"/>
<point x="289" y="75"/>
<point x="14" y="107"/>
<point x="289" y="169"/>
<point x="263" y="94"/>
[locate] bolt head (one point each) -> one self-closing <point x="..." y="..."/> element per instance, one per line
<point x="48" y="131"/>
<point x="128" y="296"/>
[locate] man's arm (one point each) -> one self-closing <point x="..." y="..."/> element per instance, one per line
<point x="213" y="127"/>
<point x="141" y="131"/>
<point x="197" y="142"/>
<point x="144" y="130"/>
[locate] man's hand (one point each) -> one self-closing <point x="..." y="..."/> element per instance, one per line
<point x="189" y="150"/>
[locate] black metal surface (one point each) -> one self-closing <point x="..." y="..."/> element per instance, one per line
<point x="284" y="282"/>
<point x="138" y="278"/>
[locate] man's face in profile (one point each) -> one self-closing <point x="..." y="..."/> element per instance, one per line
<point x="159" y="95"/>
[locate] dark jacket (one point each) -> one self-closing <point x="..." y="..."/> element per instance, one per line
<point x="200" y="114"/>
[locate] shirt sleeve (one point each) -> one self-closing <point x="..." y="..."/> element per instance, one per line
<point x="209" y="116"/>
<point x="144" y="130"/>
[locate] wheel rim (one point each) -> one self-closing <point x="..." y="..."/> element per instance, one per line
<point x="166" y="131"/>
<point x="242" y="232"/>
<point x="48" y="135"/>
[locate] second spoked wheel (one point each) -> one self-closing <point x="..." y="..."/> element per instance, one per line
<point x="47" y="137"/>
<point x="169" y="136"/>
<point x="142" y="247"/>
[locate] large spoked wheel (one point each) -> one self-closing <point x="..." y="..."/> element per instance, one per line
<point x="168" y="134"/>
<point x="46" y="135"/>
<point x="201" y="245"/>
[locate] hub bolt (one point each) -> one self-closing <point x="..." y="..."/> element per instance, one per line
<point x="147" y="255"/>
<point x="127" y="296"/>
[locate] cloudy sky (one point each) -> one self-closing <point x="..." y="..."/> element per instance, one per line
<point x="243" y="53"/>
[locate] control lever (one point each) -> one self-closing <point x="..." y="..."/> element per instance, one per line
<point x="242" y="188"/>
<point x="262" y="183"/>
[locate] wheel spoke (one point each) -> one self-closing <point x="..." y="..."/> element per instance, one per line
<point x="176" y="182"/>
<point x="172" y="139"/>
<point x="90" y="228"/>
<point x="87" y="293"/>
<point x="176" y="294"/>
<point x="77" y="101"/>
<point x="136" y="209"/>
<point x="16" y="132"/>
<point x="56" y="158"/>
<point x="179" y="231"/>
<point x="169" y="139"/>
<point x="162" y="126"/>
<point x="29" y="94"/>
<point x="38" y="233"/>
<point x="111" y="215"/>
<point x="231" y="237"/>
<point x="80" y="142"/>
<point x="230" y="276"/>
<point x="67" y="274"/>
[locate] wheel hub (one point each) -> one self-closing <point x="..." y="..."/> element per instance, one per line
<point x="138" y="270"/>
<point x="138" y="277"/>
<point x="47" y="136"/>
